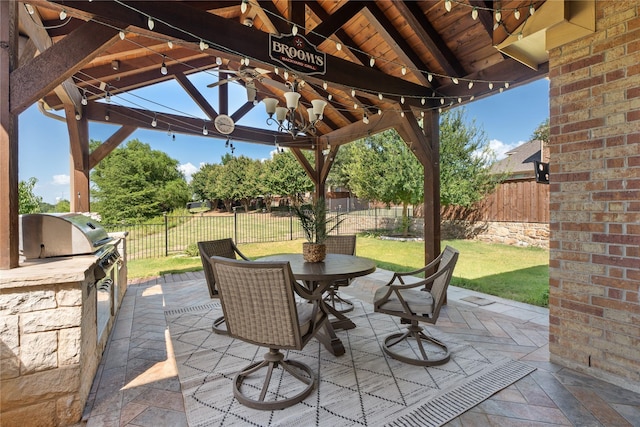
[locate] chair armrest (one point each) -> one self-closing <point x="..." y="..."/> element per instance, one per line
<point x="424" y="269"/>
<point x="240" y="254"/>
<point x="426" y="283"/>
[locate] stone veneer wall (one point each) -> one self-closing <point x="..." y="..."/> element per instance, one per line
<point x="49" y="347"/>
<point x="515" y="234"/>
<point x="595" y="198"/>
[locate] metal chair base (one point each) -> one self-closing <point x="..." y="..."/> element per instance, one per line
<point x="416" y="333"/>
<point x="272" y="360"/>
<point x="219" y="326"/>
<point x="332" y="298"/>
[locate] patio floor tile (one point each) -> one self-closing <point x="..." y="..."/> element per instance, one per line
<point x="137" y="383"/>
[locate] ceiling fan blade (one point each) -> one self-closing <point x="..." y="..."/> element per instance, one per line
<point x="223" y="81"/>
<point x="276" y="84"/>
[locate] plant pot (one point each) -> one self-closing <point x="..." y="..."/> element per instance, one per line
<point x="314" y="252"/>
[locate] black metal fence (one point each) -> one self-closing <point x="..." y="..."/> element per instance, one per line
<point x="177" y="233"/>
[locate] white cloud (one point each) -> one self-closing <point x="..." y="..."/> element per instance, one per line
<point x="61" y="179"/>
<point x="188" y="169"/>
<point x="500" y="148"/>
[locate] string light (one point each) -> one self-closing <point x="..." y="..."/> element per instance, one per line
<point x="205" y="131"/>
<point x="150" y="23"/>
<point x="294" y="30"/>
<point x="402" y="100"/>
<point x="365" y="119"/>
<point x="516" y="14"/>
<point x="243" y="6"/>
<point x="447" y="5"/>
<point x="474" y="13"/>
<point x="63" y="15"/>
<point x="498" y="15"/>
<point x="353" y="92"/>
<point x="107" y="96"/>
<point x="84" y="100"/>
<point x="78" y="116"/>
<point x="154" y="122"/>
<point x="170" y="44"/>
<point x="422" y="101"/>
<point x="372" y="59"/>
<point x="29" y="8"/>
<point x="380" y="96"/>
<point x="163" y="68"/>
<point x="532" y="10"/>
<point x="325" y="85"/>
<point x="107" y="117"/>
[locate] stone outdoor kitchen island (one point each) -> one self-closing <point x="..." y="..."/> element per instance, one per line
<point x="52" y="337"/>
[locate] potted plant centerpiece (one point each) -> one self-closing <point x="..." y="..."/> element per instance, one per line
<point x="317" y="226"/>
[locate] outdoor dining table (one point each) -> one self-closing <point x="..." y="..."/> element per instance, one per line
<point x="317" y="276"/>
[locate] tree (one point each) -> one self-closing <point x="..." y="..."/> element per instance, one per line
<point x="286" y="177"/>
<point x="28" y="202"/>
<point x="465" y="160"/>
<point x="204" y="183"/>
<point x="541" y="133"/>
<point x="63" y="205"/>
<point x="384" y="169"/>
<point x="238" y="181"/>
<point x="135" y="182"/>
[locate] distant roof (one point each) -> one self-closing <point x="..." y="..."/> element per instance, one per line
<point x="519" y="161"/>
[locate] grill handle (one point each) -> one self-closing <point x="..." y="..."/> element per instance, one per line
<point x="102" y="241"/>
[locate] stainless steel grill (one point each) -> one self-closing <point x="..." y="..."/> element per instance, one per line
<point x="71" y="234"/>
<point x="66" y="234"/>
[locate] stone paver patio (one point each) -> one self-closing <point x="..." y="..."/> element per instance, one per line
<point x="137" y="383"/>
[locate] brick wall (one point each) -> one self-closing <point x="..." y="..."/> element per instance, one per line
<point x="595" y="198"/>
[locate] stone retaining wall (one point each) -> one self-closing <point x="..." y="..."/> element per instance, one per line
<point x="508" y="233"/>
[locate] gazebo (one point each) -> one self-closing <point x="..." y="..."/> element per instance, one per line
<point x="370" y="66"/>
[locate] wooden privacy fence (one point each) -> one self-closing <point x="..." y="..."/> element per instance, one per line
<point x="512" y="201"/>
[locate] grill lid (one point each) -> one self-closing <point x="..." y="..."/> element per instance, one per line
<point x="63" y="234"/>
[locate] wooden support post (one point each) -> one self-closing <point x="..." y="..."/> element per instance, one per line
<point x="9" y="208"/>
<point x="79" y="149"/>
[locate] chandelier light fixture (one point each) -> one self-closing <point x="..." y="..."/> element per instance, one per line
<point x="288" y="118"/>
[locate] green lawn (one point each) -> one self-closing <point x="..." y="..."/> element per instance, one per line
<point x="520" y="274"/>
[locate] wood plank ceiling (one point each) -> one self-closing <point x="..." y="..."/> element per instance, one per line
<point x="384" y="59"/>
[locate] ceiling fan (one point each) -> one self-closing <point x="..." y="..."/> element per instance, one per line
<point x="247" y="74"/>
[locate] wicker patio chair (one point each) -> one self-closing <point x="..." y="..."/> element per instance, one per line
<point x="346" y="245"/>
<point x="419" y="301"/>
<point x="259" y="301"/>
<point x="224" y="248"/>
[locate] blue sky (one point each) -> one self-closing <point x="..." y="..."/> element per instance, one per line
<point x="508" y="119"/>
